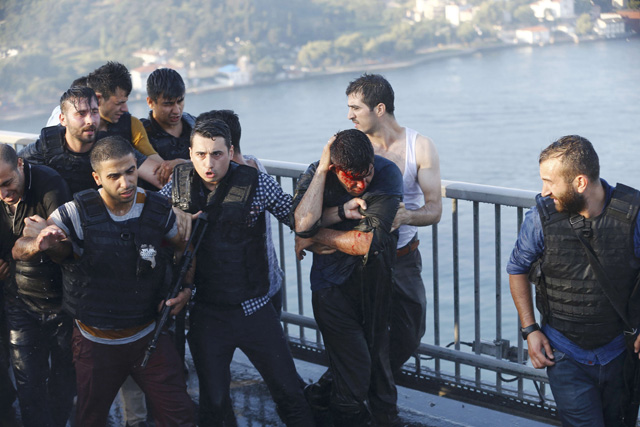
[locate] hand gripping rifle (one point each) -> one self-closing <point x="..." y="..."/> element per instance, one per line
<point x="197" y="233"/>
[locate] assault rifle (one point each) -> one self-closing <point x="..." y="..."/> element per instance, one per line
<point x="199" y="228"/>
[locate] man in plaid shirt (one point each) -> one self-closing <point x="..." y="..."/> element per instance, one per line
<point x="231" y="307"/>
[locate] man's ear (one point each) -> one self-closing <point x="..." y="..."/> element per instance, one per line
<point x="581" y="182"/>
<point x="150" y="102"/>
<point x="380" y="109"/>
<point x="100" y="99"/>
<point x="96" y="178"/>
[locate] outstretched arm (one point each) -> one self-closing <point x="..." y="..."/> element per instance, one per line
<point x="25" y="247"/>
<point x="429" y="180"/>
<point x="51" y="240"/>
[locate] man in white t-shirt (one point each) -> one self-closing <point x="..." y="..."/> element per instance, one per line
<point x="107" y="242"/>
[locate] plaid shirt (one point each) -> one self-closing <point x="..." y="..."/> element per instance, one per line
<point x="269" y="197"/>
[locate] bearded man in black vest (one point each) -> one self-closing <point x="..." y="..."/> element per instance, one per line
<point x="580" y="246"/>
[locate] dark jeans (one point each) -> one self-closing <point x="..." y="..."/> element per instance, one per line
<point x="409" y="309"/>
<point x="45" y="392"/>
<point x="213" y="337"/>
<point x="101" y="369"/>
<point x="589" y="396"/>
<point x="7" y="392"/>
<point x="358" y="349"/>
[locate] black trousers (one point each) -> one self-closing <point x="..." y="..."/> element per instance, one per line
<point x="354" y="321"/>
<point x="7" y="391"/>
<point x="45" y="389"/>
<point x="214" y="336"/>
<point x="409" y="309"/>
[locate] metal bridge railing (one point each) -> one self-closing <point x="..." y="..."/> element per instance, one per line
<point x="470" y="309"/>
<point x="472" y="350"/>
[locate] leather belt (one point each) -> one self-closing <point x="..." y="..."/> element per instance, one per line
<point x="408" y="248"/>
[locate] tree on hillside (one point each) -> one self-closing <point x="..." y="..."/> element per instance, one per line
<point x="582" y="6"/>
<point x="348" y="47"/>
<point x="466" y="32"/>
<point x="524" y="15"/>
<point x="584" y="24"/>
<point x="315" y="54"/>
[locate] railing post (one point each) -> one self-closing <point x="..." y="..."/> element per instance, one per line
<point x="456" y="283"/>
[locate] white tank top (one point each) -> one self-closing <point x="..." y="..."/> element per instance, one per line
<point x="413" y="197"/>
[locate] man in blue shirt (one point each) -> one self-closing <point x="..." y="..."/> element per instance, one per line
<point x="344" y="210"/>
<point x="581" y="342"/>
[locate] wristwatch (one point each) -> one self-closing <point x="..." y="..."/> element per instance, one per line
<point x="531" y="328"/>
<point x="341" y="212"/>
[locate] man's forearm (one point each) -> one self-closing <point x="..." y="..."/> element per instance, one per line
<point x="353" y="242"/>
<point x="25" y="249"/>
<point x="147" y="171"/>
<point x="309" y="211"/>
<point x="428" y="214"/>
<point x="521" y="294"/>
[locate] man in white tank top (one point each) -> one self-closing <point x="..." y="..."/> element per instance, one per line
<point x="371" y="109"/>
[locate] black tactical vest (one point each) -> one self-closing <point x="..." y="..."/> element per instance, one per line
<point x="75" y="168"/>
<point x="568" y="293"/>
<point x="231" y="265"/>
<point x="115" y="283"/>
<point x="168" y="146"/>
<point x="122" y="128"/>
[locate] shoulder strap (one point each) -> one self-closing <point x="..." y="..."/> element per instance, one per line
<point x="581" y="228"/>
<point x="547" y="210"/>
<point x="624" y="204"/>
<point x="51" y="137"/>
<point x="91" y="208"/>
<point x="239" y="195"/>
<point x="155" y="210"/>
<point x="189" y="119"/>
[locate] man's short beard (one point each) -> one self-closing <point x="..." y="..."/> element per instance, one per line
<point x="572" y="202"/>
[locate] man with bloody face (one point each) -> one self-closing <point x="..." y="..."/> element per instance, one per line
<point x="344" y="209"/>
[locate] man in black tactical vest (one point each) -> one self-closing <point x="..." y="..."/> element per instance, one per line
<point x="108" y="242"/>
<point x="168" y="126"/>
<point x="66" y="148"/>
<point x="38" y="328"/>
<point x="232" y="307"/>
<point x="580" y="246"/>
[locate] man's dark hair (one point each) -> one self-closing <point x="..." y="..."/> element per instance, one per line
<point x="577" y="155"/>
<point x="75" y="94"/>
<point x="352" y="151"/>
<point x="374" y="89"/>
<point x="106" y="79"/>
<point x="210" y="127"/>
<point x="80" y="81"/>
<point x="8" y="155"/>
<point x="165" y="82"/>
<point x="233" y="121"/>
<point x="110" y="147"/>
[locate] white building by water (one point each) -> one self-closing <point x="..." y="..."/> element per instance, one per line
<point x="455" y="14"/>
<point x="533" y="35"/>
<point x="609" y="25"/>
<point x="553" y="9"/>
<point x="429" y="9"/>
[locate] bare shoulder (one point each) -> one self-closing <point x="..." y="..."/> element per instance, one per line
<point x="426" y="153"/>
